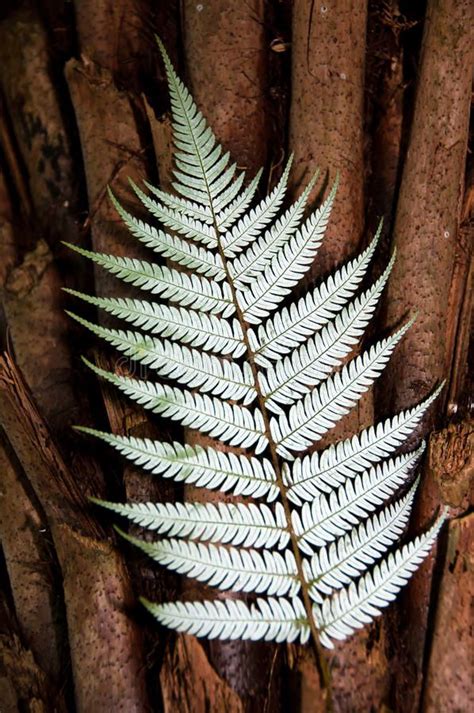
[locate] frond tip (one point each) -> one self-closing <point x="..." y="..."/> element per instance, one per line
<point x="320" y="541"/>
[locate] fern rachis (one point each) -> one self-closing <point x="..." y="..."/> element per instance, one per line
<point x="269" y="378"/>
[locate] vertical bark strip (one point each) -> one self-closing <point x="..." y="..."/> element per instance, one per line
<point x="326" y="117"/>
<point x="426" y="235"/>
<point x="105" y="645"/>
<point x="326" y="130"/>
<point x="384" y="114"/>
<point x="449" y="680"/>
<point x="24" y="686"/>
<point x="428" y="211"/>
<point x="226" y="62"/>
<point x="112" y="153"/>
<point x="24" y="537"/>
<point x="113" y="34"/>
<point x="33" y="307"/>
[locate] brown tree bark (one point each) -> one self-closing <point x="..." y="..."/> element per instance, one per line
<point x="424" y="278"/>
<point x="226" y="61"/>
<point x="115" y="35"/>
<point x="429" y="206"/>
<point x="24" y="686"/>
<point x="236" y="59"/>
<point x="40" y="336"/>
<point x="326" y="115"/>
<point x="23" y="530"/>
<point x="448" y="680"/>
<point x="27" y="551"/>
<point x="107" y="671"/>
<point x="327" y="130"/>
<point x="384" y="113"/>
<point x="42" y="139"/>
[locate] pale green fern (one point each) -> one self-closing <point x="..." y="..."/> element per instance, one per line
<point x="269" y="378"/>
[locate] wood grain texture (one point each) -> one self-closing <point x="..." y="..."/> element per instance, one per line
<point x="429" y="205"/>
<point x="31" y="571"/>
<point x="36" y="115"/>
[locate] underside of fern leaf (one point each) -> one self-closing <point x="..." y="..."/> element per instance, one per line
<point x="235" y="355"/>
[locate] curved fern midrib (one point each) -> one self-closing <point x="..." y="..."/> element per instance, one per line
<point x="320" y="658"/>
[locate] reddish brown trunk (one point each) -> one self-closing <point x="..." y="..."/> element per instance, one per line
<point x="326" y="120"/>
<point x="100" y="632"/>
<point x="24" y="536"/>
<point x="424" y="278"/>
<point x="448" y="679"/>
<point x="115" y="35"/>
<point x="37" y="120"/>
<point x="226" y="62"/>
<point x="428" y="212"/>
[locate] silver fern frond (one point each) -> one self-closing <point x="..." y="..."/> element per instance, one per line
<point x="237" y="357"/>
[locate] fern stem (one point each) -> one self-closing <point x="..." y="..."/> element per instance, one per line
<point x="320" y="659"/>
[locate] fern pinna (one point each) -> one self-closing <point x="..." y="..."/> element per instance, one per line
<point x="315" y="550"/>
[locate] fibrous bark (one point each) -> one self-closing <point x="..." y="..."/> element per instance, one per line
<point x="384" y="116"/>
<point x="113" y="34"/>
<point x="449" y="681"/>
<point x="26" y="548"/>
<point x="24" y="686"/>
<point x="8" y="249"/>
<point x="112" y="155"/>
<point x="32" y="303"/>
<point x="429" y="205"/>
